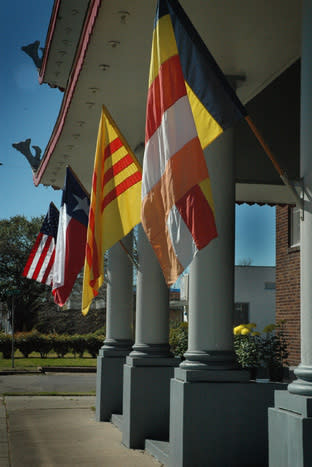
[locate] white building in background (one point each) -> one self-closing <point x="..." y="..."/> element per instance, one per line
<point x="5" y="325"/>
<point x="254" y="295"/>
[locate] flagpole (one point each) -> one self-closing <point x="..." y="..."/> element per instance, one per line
<point x="124" y="141"/>
<point x="271" y="156"/>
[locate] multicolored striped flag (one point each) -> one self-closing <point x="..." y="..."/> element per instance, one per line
<point x="189" y="104"/>
<point x="115" y="202"/>
<point x="71" y="237"/>
<point x="40" y="262"/>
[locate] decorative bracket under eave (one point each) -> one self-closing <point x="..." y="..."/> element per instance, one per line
<point x="32" y="51"/>
<point x="24" y="148"/>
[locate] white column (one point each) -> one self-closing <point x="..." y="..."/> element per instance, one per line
<point x="152" y="304"/>
<point x="303" y="385"/>
<point x="119" y="306"/>
<point x="211" y="292"/>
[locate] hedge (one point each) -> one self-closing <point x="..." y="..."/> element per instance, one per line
<point x="5" y="345"/>
<point x="61" y="344"/>
<point x="77" y="344"/>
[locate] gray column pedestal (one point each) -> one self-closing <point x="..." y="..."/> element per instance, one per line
<point x="216" y="424"/>
<point x="118" y="341"/>
<point x="146" y="399"/>
<point x="109" y="381"/>
<point x="150" y="365"/>
<point x="290" y="431"/>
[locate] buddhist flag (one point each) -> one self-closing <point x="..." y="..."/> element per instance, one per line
<point x="39" y="265"/>
<point x="189" y="104"/>
<point x="71" y="237"/>
<point x="114" y="205"/>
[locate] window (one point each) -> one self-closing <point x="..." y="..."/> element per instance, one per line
<point x="269" y="285"/>
<point x="294" y="227"/>
<point x="241" y="313"/>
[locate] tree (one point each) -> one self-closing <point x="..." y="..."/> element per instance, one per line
<point x="17" y="237"/>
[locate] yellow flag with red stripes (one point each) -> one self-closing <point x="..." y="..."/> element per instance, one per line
<point x="114" y="205"/>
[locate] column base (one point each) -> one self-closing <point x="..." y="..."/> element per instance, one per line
<point x="219" y="424"/>
<point x="115" y="347"/>
<point x="151" y="351"/>
<point x="210" y="360"/>
<point x="146" y="396"/>
<point x="109" y="381"/>
<point x="303" y="385"/>
<point x="215" y="375"/>
<point x="290" y="431"/>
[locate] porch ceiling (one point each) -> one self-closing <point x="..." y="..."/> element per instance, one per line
<point x="257" y="39"/>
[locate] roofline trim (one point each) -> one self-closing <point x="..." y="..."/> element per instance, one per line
<point x="56" y="7"/>
<point x="78" y="62"/>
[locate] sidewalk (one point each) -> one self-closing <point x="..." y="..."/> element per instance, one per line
<point x="62" y="383"/>
<point x="51" y="431"/>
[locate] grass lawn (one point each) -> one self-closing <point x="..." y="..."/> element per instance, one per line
<point x="34" y="361"/>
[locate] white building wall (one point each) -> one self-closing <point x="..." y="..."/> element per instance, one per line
<point x="250" y="287"/>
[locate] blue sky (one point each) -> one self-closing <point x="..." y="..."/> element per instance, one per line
<point x="29" y="110"/>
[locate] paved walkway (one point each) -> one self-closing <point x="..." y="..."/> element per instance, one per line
<point x="51" y="431"/>
<point x="46" y="431"/>
<point x="73" y="383"/>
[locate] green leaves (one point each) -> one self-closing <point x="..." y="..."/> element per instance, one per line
<point x="17" y="237"/>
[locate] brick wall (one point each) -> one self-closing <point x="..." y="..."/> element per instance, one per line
<point x="288" y="284"/>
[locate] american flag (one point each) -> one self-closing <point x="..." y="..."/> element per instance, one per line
<point x="40" y="262"/>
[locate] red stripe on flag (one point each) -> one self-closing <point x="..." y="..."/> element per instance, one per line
<point x="48" y="269"/>
<point x="94" y="180"/>
<point x="112" y="147"/>
<point x="91" y="251"/>
<point x="121" y="188"/>
<point x="198" y="216"/>
<point x="95" y="261"/>
<point x="166" y="89"/>
<point x="32" y="254"/>
<point x="92" y="258"/>
<point x="117" y="168"/>
<point x="91" y="219"/>
<point x="42" y="258"/>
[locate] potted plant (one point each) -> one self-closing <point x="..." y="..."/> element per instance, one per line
<point x="275" y="350"/>
<point x="263" y="353"/>
<point x="247" y="346"/>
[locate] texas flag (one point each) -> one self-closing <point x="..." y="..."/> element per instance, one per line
<point x="71" y="237"/>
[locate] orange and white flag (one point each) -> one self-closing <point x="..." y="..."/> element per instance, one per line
<point x="115" y="202"/>
<point x="189" y="104"/>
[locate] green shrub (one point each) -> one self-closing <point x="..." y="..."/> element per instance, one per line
<point x="44" y="344"/>
<point x="33" y="342"/>
<point x="24" y="341"/>
<point x="93" y="344"/>
<point x="61" y="344"/>
<point x="100" y="332"/>
<point x="5" y="345"/>
<point x="78" y="344"/>
<point x="267" y="349"/>
<point x="248" y="350"/>
<point x="178" y="339"/>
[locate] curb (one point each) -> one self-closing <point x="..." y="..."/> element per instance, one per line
<point x="68" y="369"/>
<point x="49" y="369"/>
